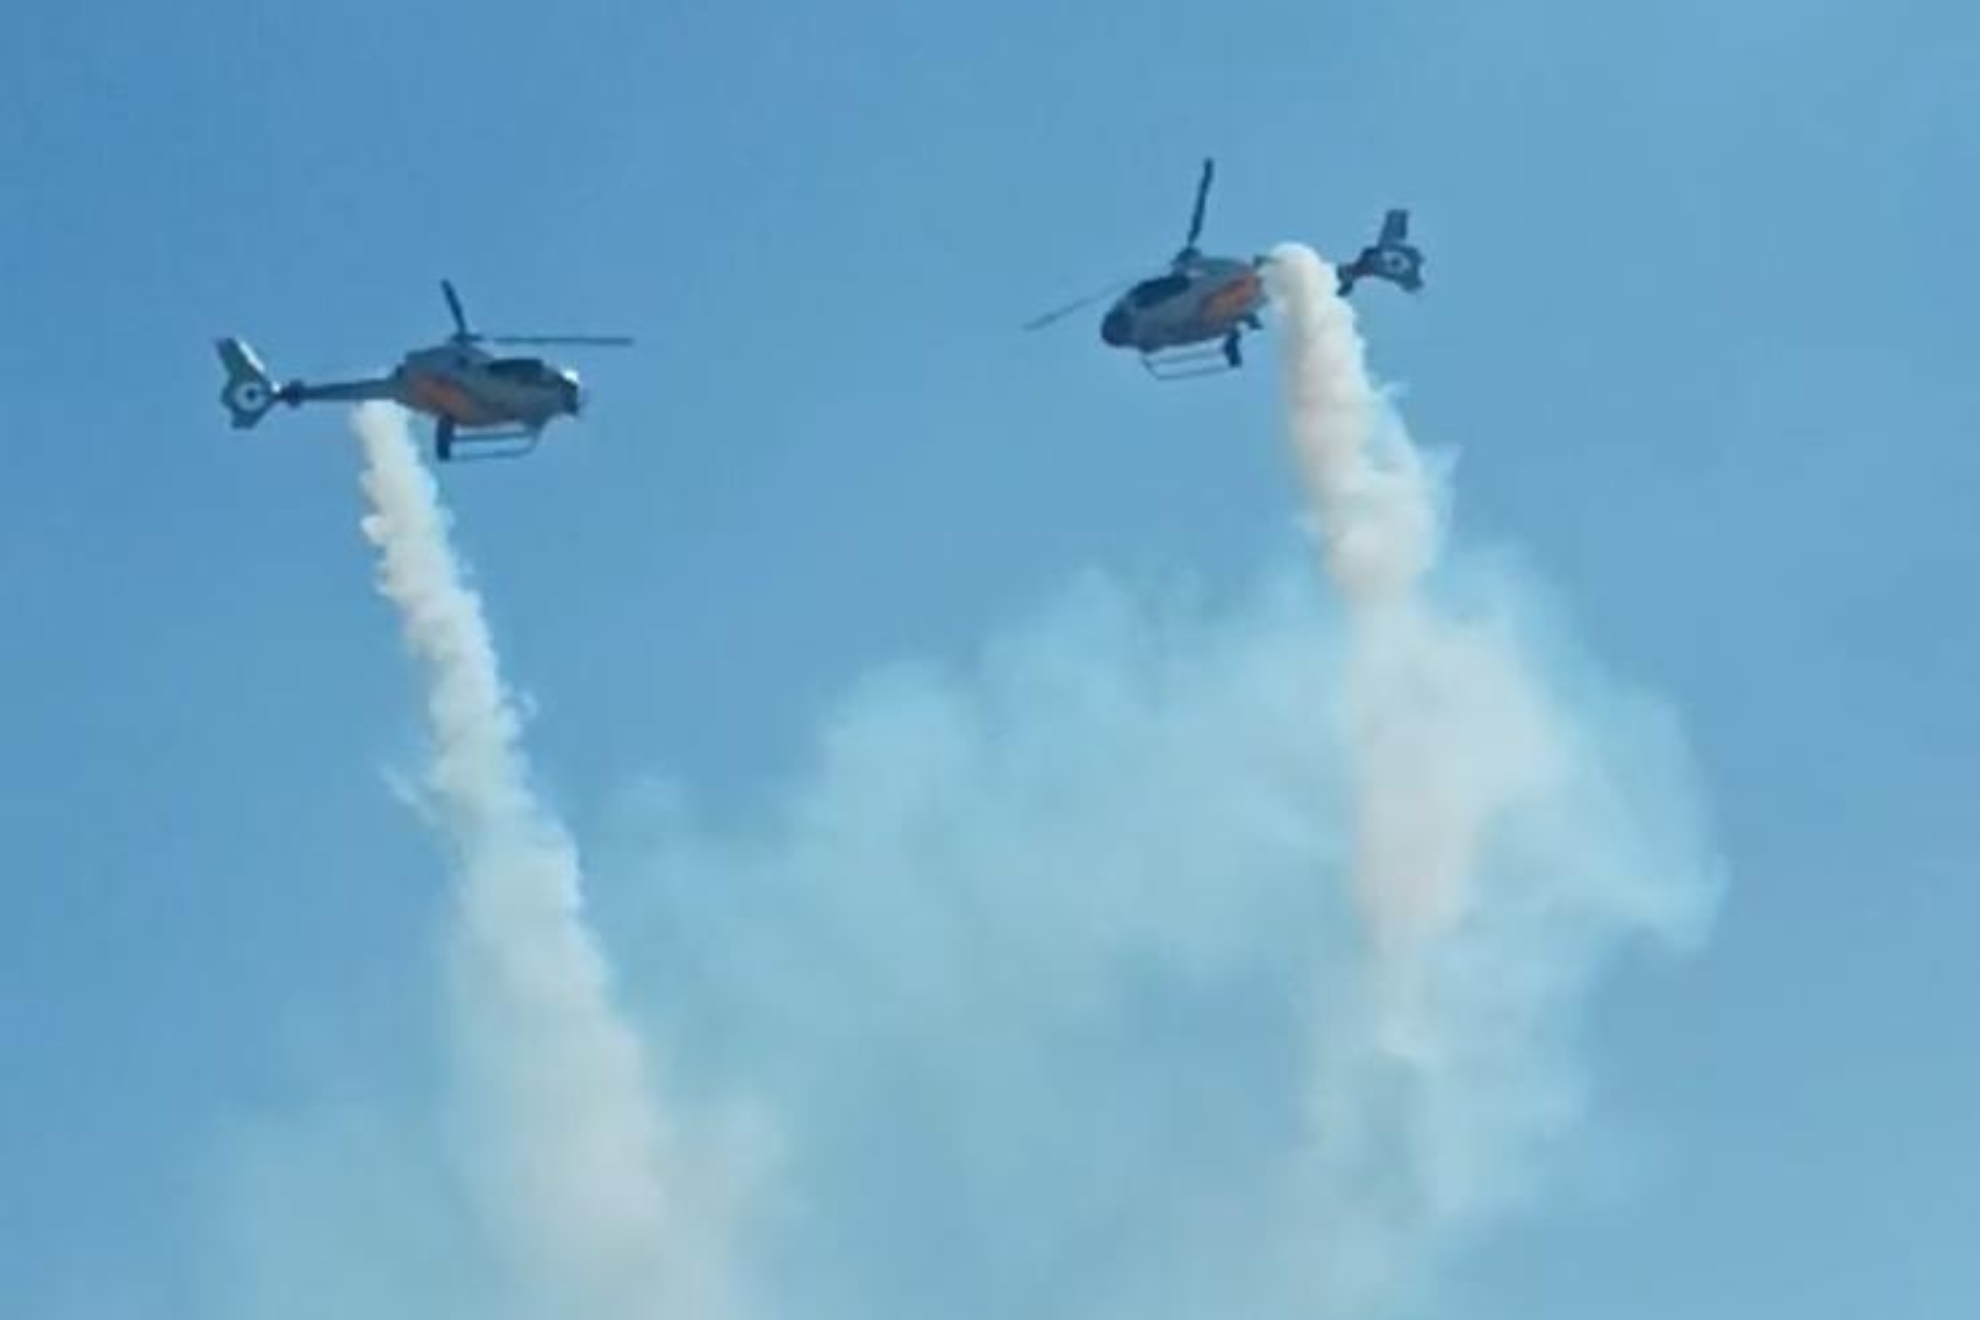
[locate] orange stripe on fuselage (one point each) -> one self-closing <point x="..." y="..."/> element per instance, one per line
<point x="440" y="396"/>
<point x="1233" y="300"/>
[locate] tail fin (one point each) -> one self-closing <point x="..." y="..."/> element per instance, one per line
<point x="248" y="393"/>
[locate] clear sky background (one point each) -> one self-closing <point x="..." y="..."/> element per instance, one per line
<point x="1701" y="323"/>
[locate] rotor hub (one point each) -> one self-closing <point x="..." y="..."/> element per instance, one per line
<point x="249" y="395"/>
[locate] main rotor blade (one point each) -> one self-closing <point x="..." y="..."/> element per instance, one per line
<point x="612" y="341"/>
<point x="1202" y="198"/>
<point x="1067" y="309"/>
<point x="454" y="306"/>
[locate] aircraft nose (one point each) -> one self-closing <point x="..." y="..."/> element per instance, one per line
<point x="1114" y="329"/>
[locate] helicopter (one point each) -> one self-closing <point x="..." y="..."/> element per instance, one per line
<point x="1390" y="257"/>
<point x="494" y="405"/>
<point x="1188" y="320"/>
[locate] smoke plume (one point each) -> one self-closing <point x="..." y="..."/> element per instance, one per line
<point x="559" y="1137"/>
<point x="1172" y="956"/>
<point x="1496" y="844"/>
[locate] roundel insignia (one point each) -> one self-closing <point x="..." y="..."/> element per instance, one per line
<point x="248" y="395"/>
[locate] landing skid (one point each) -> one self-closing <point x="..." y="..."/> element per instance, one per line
<point x="1190" y="363"/>
<point x="455" y="446"/>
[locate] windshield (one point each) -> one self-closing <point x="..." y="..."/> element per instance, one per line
<point x="1161" y="289"/>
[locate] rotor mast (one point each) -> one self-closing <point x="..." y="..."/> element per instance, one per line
<point x="1189" y="250"/>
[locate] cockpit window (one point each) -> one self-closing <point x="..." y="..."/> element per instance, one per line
<point x="1160" y="289"/>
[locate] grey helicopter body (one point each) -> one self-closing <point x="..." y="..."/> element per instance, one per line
<point x="1190" y="320"/>
<point x="497" y="404"/>
<point x="1200" y="300"/>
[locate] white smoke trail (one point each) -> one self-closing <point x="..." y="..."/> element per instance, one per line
<point x="563" y="1152"/>
<point x="1447" y="726"/>
<point x="1368" y="484"/>
<point x="1493" y="849"/>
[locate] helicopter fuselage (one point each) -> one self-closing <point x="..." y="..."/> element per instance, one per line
<point x="472" y="388"/>
<point x="1198" y="300"/>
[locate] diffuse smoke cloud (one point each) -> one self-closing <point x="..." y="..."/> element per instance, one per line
<point x="1168" y="960"/>
<point x="1049" y="960"/>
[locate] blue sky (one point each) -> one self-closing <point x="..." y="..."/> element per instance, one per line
<point x="1699" y="324"/>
